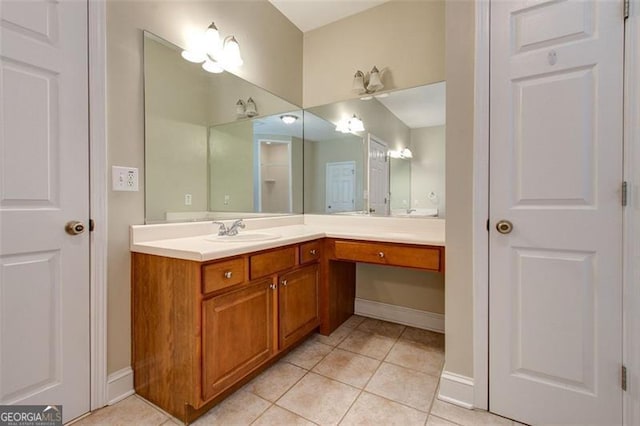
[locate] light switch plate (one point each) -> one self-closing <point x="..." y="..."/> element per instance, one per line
<point x="124" y="178"/>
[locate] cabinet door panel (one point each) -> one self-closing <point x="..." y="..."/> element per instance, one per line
<point x="298" y="304"/>
<point x="237" y="335"/>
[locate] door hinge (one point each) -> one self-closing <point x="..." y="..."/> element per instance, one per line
<point x="487" y="225"/>
<point x="624" y="193"/>
<point x="624" y="378"/>
<point x="92" y="225"/>
<point x="626" y="8"/>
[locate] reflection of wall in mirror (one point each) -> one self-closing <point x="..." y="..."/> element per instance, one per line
<point x="275" y="180"/>
<point x="428" y="167"/>
<point x="231" y="167"/>
<point x="176" y="133"/>
<point x="400" y="183"/>
<point x="347" y="147"/>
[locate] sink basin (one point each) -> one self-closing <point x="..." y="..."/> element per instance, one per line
<point x="243" y="237"/>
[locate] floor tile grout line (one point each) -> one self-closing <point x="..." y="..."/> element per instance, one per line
<point x="366" y="384"/>
<point x="445" y="419"/>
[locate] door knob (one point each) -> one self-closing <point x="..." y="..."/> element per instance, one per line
<point x="74" y="227"/>
<point x="504" y="227"/>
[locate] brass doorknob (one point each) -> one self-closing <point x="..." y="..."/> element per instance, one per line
<point x="504" y="227"/>
<point x="74" y="227"/>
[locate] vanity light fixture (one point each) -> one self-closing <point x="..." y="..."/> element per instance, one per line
<point x="366" y="84"/>
<point x="214" y="54"/>
<point x="403" y="154"/>
<point x="350" y="125"/>
<point x="288" y="118"/>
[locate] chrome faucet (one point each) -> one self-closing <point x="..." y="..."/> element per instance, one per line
<point x="231" y="230"/>
<point x="410" y="210"/>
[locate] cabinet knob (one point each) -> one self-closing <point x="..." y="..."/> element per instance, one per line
<point x="284" y="283"/>
<point x="313" y="252"/>
<point x="272" y="286"/>
<point x="380" y="255"/>
<point x="228" y="274"/>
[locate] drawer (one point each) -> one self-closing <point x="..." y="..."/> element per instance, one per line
<point x="273" y="261"/>
<point x="311" y="251"/>
<point x="389" y="254"/>
<point x="217" y="276"/>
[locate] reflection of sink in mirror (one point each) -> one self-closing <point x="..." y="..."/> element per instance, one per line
<point x="355" y="213"/>
<point x="414" y="212"/>
<point x="244" y="237"/>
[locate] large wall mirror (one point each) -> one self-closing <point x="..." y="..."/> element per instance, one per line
<point x="379" y="155"/>
<point x="210" y="153"/>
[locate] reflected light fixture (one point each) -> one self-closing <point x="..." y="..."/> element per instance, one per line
<point x="367" y="84"/>
<point x="350" y="125"/>
<point x="214" y="55"/>
<point x="403" y="154"/>
<point x="288" y="118"/>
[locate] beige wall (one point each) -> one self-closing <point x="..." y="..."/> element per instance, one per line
<point x="459" y="187"/>
<point x="428" y="167"/>
<point x="401" y="286"/>
<point x="263" y="34"/>
<point x="405" y="38"/>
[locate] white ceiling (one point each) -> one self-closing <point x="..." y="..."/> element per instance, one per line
<point x="310" y="14"/>
<point x="418" y="107"/>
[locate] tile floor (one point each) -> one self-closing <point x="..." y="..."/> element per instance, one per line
<point x="367" y="372"/>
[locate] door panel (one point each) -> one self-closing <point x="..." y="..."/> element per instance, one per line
<point x="44" y="272"/>
<point x="556" y="170"/>
<point x="341" y="186"/>
<point x="378" y="177"/>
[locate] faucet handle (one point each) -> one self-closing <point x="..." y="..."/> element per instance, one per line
<point x="239" y="224"/>
<point x="223" y="229"/>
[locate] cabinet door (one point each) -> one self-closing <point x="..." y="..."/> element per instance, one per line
<point x="237" y="335"/>
<point x="298" y="304"/>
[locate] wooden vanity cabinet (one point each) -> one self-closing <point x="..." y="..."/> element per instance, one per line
<point x="298" y="304"/>
<point x="237" y="335"/>
<point x="201" y="330"/>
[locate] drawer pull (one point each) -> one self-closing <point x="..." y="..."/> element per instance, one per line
<point x="228" y="274"/>
<point x="284" y="283"/>
<point x="313" y="252"/>
<point x="381" y="255"/>
<point x="273" y="286"/>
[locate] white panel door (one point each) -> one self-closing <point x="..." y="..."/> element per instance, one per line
<point x="556" y="171"/>
<point x="378" y="168"/>
<point x="340" y="187"/>
<point x="44" y="272"/>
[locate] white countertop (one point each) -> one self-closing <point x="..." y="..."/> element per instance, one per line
<point x="188" y="240"/>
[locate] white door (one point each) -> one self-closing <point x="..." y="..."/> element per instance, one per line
<point x="44" y="271"/>
<point x="340" y="187"/>
<point x="378" y="177"/>
<point x="556" y="170"/>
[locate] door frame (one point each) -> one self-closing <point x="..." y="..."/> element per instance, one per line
<point x="98" y="187"/>
<point x="631" y="147"/>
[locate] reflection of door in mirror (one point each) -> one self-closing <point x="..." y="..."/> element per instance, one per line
<point x="378" y="167"/>
<point x="341" y="187"/>
<point x="274" y="190"/>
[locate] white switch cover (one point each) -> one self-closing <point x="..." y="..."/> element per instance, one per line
<point x="187" y="199"/>
<point x="124" y="178"/>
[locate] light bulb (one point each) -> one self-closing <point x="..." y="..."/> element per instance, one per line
<point x="355" y="124"/>
<point x="212" y="40"/>
<point x="212" y="66"/>
<point x="194" y="57"/>
<point x="231" y="52"/>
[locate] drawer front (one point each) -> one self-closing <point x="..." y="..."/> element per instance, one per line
<point x="217" y="276"/>
<point x="268" y="263"/>
<point x="389" y="254"/>
<point x="311" y="251"/>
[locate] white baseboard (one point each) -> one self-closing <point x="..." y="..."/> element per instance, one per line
<point x="400" y="314"/>
<point x="119" y="385"/>
<point x="456" y="389"/>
